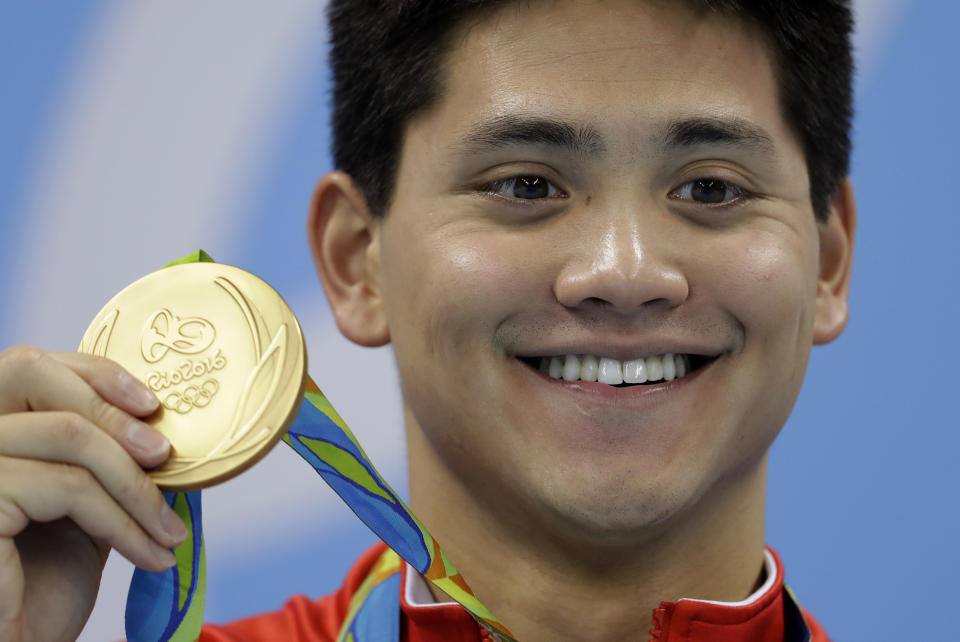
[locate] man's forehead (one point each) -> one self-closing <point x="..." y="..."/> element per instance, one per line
<point x="548" y="48"/>
<point x="592" y="30"/>
<point x="610" y="68"/>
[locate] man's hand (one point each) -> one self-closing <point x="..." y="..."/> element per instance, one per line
<point x="72" y="487"/>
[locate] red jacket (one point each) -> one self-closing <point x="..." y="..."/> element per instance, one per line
<point x="772" y="617"/>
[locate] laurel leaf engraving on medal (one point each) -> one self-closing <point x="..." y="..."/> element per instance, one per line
<point x="261" y="386"/>
<point x="100" y="338"/>
<point x="251" y="314"/>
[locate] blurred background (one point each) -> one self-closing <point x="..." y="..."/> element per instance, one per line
<point x="133" y="133"/>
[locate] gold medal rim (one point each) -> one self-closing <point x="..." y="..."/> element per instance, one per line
<point x="171" y="485"/>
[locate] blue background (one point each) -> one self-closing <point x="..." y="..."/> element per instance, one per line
<point x="863" y="480"/>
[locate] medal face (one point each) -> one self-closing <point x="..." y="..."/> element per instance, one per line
<point x="224" y="354"/>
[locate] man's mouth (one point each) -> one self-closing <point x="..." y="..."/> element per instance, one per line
<point x="640" y="371"/>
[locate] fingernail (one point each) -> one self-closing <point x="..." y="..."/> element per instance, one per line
<point x="139" y="394"/>
<point x="163" y="555"/>
<point x="146" y="439"/>
<point x="172" y="524"/>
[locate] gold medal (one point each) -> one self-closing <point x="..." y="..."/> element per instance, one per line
<point x="224" y="354"/>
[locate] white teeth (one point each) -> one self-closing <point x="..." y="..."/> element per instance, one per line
<point x="654" y="369"/>
<point x="556" y="367"/>
<point x="571" y="368"/>
<point x="669" y="367"/>
<point x="609" y="372"/>
<point x="588" y="368"/>
<point x="635" y="371"/>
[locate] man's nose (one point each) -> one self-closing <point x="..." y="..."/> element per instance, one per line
<point x="624" y="261"/>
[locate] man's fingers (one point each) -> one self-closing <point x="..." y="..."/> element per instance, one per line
<point x="31" y="379"/>
<point x="112" y="381"/>
<point x="11" y="591"/>
<point x="72" y="491"/>
<point x="68" y="438"/>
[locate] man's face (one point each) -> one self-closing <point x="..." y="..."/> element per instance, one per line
<point x="611" y="179"/>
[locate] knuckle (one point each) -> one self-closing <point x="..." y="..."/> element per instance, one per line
<point x="138" y="494"/>
<point x="108" y="367"/>
<point x="139" y="487"/>
<point x="129" y="525"/>
<point x="128" y="487"/>
<point x="101" y="412"/>
<point x="74" y="479"/>
<point x="74" y="429"/>
<point x="22" y="356"/>
<point x="12" y="518"/>
<point x="104" y="366"/>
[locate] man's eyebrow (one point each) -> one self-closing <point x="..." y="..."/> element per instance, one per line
<point x="512" y="129"/>
<point x="713" y="131"/>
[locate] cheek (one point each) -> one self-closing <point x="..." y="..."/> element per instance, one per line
<point x="452" y="290"/>
<point x="767" y="287"/>
<point x="446" y="295"/>
<point x="768" y="284"/>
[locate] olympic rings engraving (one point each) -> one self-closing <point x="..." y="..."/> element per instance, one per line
<point x="193" y="396"/>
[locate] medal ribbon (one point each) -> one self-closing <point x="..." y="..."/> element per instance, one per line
<point x="169" y="605"/>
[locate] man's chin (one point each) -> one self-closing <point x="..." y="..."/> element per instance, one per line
<point x="615" y="518"/>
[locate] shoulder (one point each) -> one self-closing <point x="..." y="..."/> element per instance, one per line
<point x="300" y="619"/>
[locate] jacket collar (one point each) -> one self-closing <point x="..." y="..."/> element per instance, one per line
<point x="770" y="614"/>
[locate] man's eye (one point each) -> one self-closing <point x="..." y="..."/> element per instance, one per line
<point x="708" y="191"/>
<point x="528" y="187"/>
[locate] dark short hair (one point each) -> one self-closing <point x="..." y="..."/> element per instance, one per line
<point x="387" y="60"/>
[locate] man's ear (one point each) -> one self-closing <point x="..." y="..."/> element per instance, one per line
<point x="836" y="257"/>
<point x="344" y="239"/>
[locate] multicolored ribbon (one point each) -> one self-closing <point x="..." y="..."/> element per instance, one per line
<point x="169" y="605"/>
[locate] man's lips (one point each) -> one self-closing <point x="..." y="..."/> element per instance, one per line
<point x="592" y="392"/>
<point x="653" y="369"/>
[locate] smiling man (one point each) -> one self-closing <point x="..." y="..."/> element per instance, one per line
<point x="602" y="245"/>
<point x="602" y="238"/>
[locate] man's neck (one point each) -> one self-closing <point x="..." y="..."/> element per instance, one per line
<point x="544" y="586"/>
